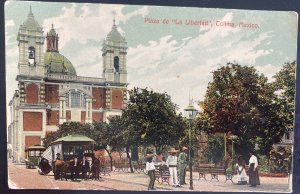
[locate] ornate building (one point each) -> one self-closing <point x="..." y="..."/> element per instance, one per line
<point x="50" y="92"/>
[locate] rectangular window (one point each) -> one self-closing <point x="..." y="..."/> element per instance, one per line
<point x="75" y="99"/>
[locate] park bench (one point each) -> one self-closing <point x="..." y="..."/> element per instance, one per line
<point x="121" y="166"/>
<point x="202" y="170"/>
<point x="118" y="166"/>
<point x="162" y="173"/>
<point x="214" y="171"/>
<point x="139" y="167"/>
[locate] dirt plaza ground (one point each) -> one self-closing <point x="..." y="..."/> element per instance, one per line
<point x="22" y="178"/>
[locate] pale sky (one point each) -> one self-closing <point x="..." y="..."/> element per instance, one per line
<point x="173" y="58"/>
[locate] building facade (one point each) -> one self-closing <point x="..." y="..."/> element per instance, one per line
<point x="50" y="92"/>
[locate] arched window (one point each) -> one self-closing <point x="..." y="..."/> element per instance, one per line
<point x="31" y="55"/>
<point x="75" y="99"/>
<point x="116" y="63"/>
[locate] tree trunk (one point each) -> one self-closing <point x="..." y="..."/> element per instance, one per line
<point x="156" y="149"/>
<point x="129" y="158"/>
<point x="111" y="160"/>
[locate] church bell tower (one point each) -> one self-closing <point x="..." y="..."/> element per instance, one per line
<point x="114" y="53"/>
<point x="30" y="42"/>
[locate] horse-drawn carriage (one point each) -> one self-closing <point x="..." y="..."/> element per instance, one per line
<point x="33" y="155"/>
<point x="71" y="156"/>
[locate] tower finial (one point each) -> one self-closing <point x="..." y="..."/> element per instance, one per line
<point x="190" y="99"/>
<point x="114" y="20"/>
<point x="30" y="14"/>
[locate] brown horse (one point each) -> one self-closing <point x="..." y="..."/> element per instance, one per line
<point x="61" y="168"/>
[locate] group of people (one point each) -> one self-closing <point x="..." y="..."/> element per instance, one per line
<point x="172" y="163"/>
<point x="253" y="171"/>
<point x="177" y="176"/>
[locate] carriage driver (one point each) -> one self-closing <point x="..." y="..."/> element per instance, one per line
<point x="57" y="156"/>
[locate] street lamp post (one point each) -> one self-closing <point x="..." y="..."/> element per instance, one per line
<point x="191" y="113"/>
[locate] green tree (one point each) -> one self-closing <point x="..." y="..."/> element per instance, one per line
<point x="285" y="89"/>
<point x="151" y="118"/>
<point x="119" y="137"/>
<point x="126" y="136"/>
<point x="105" y="137"/>
<point x="215" y="149"/>
<point x="241" y="101"/>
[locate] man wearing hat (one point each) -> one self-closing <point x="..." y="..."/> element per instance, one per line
<point x="57" y="156"/>
<point x="182" y="164"/>
<point x="172" y="164"/>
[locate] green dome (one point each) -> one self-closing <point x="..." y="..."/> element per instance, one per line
<point x="58" y="64"/>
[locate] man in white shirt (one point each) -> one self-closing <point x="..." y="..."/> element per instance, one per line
<point x="172" y="164"/>
<point x="150" y="169"/>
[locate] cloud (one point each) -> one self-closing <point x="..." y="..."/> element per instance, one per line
<point x="82" y="27"/>
<point x="268" y="70"/>
<point x="9" y="23"/>
<point x="144" y="11"/>
<point x="184" y="67"/>
<point x="9" y="38"/>
<point x="89" y="62"/>
<point x="165" y="64"/>
<point x="88" y="25"/>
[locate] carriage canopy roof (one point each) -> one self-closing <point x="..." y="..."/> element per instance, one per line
<point x="74" y="138"/>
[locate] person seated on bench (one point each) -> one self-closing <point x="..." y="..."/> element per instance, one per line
<point x="241" y="171"/>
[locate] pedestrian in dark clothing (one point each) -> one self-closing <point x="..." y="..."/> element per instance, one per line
<point x="253" y="170"/>
<point x="182" y="164"/>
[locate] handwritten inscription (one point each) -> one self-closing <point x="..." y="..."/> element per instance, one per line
<point x="207" y="23"/>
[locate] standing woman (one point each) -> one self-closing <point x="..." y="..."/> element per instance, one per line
<point x="253" y="170"/>
<point x="150" y="169"/>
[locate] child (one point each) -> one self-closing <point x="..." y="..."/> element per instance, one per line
<point x="150" y="169"/>
<point x="241" y="172"/>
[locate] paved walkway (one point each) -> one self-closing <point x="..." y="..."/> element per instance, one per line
<point x="20" y="177"/>
<point x="267" y="184"/>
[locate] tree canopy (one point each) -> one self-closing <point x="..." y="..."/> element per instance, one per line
<point x="241" y="101"/>
<point x="285" y="89"/>
<point x="151" y="117"/>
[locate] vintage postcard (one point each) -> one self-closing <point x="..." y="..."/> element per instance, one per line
<point x="132" y="97"/>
